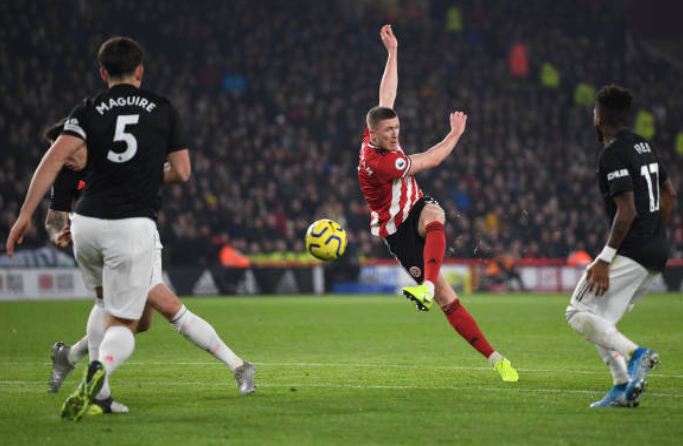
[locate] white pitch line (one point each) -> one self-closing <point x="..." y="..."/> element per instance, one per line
<point x="319" y="364"/>
<point x="352" y="386"/>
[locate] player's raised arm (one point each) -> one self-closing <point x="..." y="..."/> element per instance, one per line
<point x="389" y="84"/>
<point x="434" y="156"/>
<point x="44" y="176"/>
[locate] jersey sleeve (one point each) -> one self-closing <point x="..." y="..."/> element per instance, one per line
<point x="75" y="123"/>
<point x="616" y="173"/>
<point x="64" y="190"/>
<point x="176" y="140"/>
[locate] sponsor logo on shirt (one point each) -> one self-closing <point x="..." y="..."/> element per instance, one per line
<point x="617" y="174"/>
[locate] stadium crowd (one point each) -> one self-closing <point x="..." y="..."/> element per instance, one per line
<point x="273" y="96"/>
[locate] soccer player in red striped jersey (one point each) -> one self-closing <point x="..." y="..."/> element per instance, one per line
<point x="412" y="224"/>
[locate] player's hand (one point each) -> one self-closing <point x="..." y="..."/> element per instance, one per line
<point x="458" y="122"/>
<point x="16" y="235"/>
<point x="63" y="238"/>
<point x="388" y="39"/>
<point x="597" y="277"/>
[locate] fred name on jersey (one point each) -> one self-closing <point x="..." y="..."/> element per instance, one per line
<point x="642" y="147"/>
<point x="112" y="103"/>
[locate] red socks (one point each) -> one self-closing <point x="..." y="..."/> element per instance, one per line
<point x="466" y="326"/>
<point x="435" y="249"/>
<point x="458" y="316"/>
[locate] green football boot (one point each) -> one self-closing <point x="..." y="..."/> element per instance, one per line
<point x="83" y="397"/>
<point x="420" y="295"/>
<point x="506" y="371"/>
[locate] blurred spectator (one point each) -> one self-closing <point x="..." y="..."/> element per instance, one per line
<point x="273" y="96"/>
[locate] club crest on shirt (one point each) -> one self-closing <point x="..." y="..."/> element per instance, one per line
<point x="415" y="271"/>
<point x="400" y="164"/>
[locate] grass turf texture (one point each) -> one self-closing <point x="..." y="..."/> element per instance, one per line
<point x="348" y="370"/>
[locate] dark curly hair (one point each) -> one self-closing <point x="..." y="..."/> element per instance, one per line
<point x="614" y="104"/>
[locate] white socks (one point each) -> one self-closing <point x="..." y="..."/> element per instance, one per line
<point x="117" y="346"/>
<point x="430" y="287"/>
<point x="95" y="329"/>
<point x="79" y="350"/>
<point x="617" y="365"/>
<point x="600" y="332"/>
<point x="494" y="358"/>
<point x="202" y="334"/>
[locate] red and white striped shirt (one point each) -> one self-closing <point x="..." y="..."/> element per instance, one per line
<point x="386" y="185"/>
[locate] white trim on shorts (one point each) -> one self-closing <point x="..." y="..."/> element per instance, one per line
<point x="157" y="267"/>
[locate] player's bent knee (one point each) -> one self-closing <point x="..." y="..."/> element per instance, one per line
<point x="164" y="301"/>
<point x="430" y="214"/>
<point x="143" y="326"/>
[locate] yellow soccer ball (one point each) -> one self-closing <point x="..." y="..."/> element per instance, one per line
<point x="326" y="240"/>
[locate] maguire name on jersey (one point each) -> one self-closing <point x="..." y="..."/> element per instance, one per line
<point x="129" y="133"/>
<point x="629" y="165"/>
<point x="388" y="189"/>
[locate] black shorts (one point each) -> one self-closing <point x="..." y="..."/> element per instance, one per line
<point x="407" y="245"/>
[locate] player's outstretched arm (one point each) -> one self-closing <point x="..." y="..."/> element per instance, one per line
<point x="434" y="156"/>
<point x="178" y="168"/>
<point x="389" y="84"/>
<point x="44" y="176"/>
<point x="57" y="227"/>
<point x="667" y="199"/>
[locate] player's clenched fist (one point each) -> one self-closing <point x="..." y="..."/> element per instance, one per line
<point x="388" y="38"/>
<point x="458" y="122"/>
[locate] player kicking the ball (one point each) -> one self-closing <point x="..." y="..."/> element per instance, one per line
<point x="65" y="191"/>
<point x="412" y="225"/>
<point x="638" y="197"/>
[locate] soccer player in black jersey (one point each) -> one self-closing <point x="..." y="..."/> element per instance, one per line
<point x="129" y="133"/>
<point x="65" y="192"/>
<point x="638" y="197"/>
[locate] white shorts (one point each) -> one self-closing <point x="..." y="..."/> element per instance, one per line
<point x="116" y="255"/>
<point x="157" y="270"/>
<point x="628" y="283"/>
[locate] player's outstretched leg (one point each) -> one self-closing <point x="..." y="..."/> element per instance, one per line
<point x="603" y="333"/>
<point x="616" y="396"/>
<point x="463" y="322"/>
<point x="202" y="334"/>
<point x="65" y="357"/>
<point x="599" y="331"/>
<point x="79" y="402"/>
<point x="639" y="366"/>
<point x="61" y="366"/>
<point x="244" y="375"/>
<point x="116" y="347"/>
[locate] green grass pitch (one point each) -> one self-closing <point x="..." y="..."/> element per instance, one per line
<point x="346" y="370"/>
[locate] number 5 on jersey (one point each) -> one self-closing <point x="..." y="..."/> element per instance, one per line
<point x="120" y="134"/>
